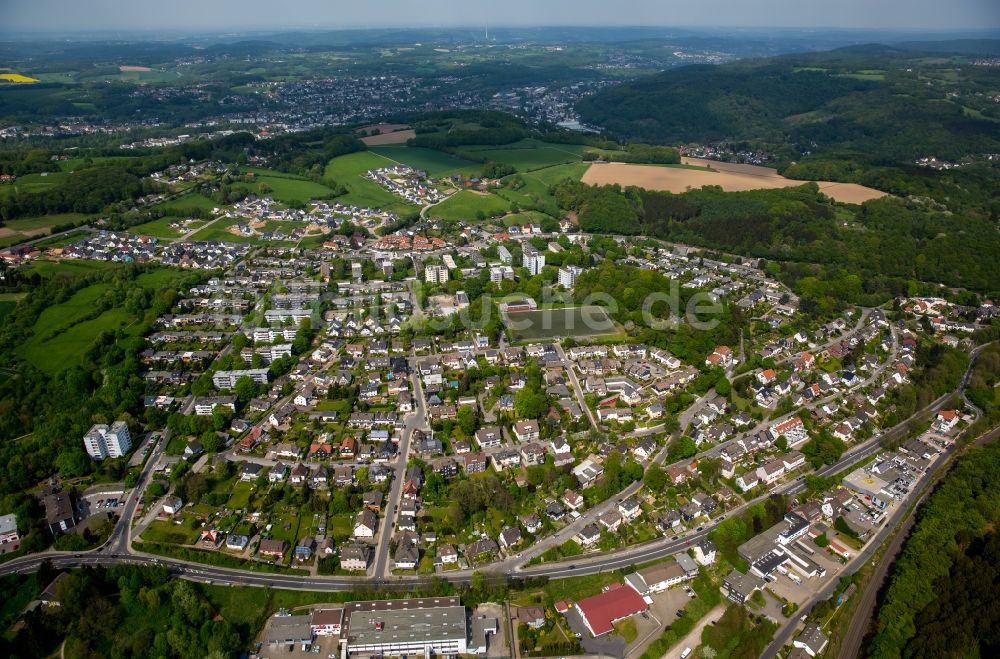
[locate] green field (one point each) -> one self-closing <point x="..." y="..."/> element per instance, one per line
<point x="287" y="188"/>
<point x="566" y="321"/>
<point x="349" y="171"/>
<point x="467" y="206"/>
<point x="161" y="228"/>
<point x="217" y="231"/>
<point x="187" y="203"/>
<point x="435" y="163"/>
<point x="63" y="332"/>
<point x="28" y="228"/>
<point x="39" y="182"/>
<point x="68" y="267"/>
<point x="528" y="155"/>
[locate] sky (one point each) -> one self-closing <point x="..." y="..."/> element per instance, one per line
<point x="220" y="15"/>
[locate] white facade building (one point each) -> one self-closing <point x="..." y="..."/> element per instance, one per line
<point x="104" y="442"/>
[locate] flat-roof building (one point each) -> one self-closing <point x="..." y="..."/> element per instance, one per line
<point x="282" y="630"/>
<point x="435" y="625"/>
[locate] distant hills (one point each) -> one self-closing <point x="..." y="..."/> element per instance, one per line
<point x="880" y="104"/>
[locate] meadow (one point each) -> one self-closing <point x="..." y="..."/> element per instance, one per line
<point x="469" y="206"/>
<point x="349" y="171"/>
<point x="187" y="203"/>
<point x="435" y="163"/>
<point x="525" y="155"/>
<point x="287" y="188"/>
<point x="63" y="332"/>
<point x="160" y="228"/>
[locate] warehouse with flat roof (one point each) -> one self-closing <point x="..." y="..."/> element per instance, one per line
<point x="435" y="625"/>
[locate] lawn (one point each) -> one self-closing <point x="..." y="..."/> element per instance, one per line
<point x="170" y="533"/>
<point x="566" y="321"/>
<point x="469" y="206"/>
<point x="349" y="171"/>
<point x="435" y="163"/>
<point x="552" y="175"/>
<point x="39" y="182"/>
<point x="627" y="629"/>
<point x="240" y="498"/>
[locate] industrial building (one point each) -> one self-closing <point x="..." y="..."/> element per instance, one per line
<point x="433" y="625"/>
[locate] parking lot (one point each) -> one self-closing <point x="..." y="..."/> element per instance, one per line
<point x="322" y="646"/>
<point x="99" y="502"/>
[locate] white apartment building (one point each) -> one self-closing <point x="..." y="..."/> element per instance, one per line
<point x="533" y="260"/>
<point x="568" y="275"/>
<point x="435" y="274"/>
<point x="227" y="379"/>
<point x="104" y="442"/>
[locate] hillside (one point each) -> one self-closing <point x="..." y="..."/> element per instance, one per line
<point x="880" y="104"/>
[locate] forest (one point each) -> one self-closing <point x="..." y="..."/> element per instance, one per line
<point x="125" y="611"/>
<point x="884" y="244"/>
<point x="882" y="104"/>
<point x="947" y="571"/>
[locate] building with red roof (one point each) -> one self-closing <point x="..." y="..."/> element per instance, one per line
<point x="617" y="602"/>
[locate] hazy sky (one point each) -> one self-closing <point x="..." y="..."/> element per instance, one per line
<point x="91" y="15"/>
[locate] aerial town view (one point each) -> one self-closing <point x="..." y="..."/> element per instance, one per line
<point x="546" y="329"/>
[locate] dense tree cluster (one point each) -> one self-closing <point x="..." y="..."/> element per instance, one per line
<point x="123" y="612"/>
<point x="940" y="600"/>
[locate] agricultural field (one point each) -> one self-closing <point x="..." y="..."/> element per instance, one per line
<point x="20" y="230"/>
<point x="577" y="322"/>
<point x="286" y="188"/>
<point x="469" y="206"/>
<point x="349" y="171"/>
<point x="731" y="177"/>
<point x="435" y="163"/>
<point x="16" y="78"/>
<point x="38" y="182"/>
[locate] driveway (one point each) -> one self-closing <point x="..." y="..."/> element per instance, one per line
<point x="610" y="645"/>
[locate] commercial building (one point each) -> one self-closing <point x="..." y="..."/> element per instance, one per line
<point x="8" y="529"/>
<point x="658" y="577"/>
<point x="433" y="625"/>
<point x="103" y="442"/>
<point x="227" y="379"/>
<point x="617" y="602"/>
<point x="285" y="630"/>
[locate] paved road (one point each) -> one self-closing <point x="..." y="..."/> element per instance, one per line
<point x="577" y="389"/>
<point x="118" y="549"/>
<point x="413" y="420"/>
<point x="859" y="626"/>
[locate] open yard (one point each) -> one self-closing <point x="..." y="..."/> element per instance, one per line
<point x="732" y="178"/>
<point x="469" y="206"/>
<point x="160" y="228"/>
<point x="565" y="321"/>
